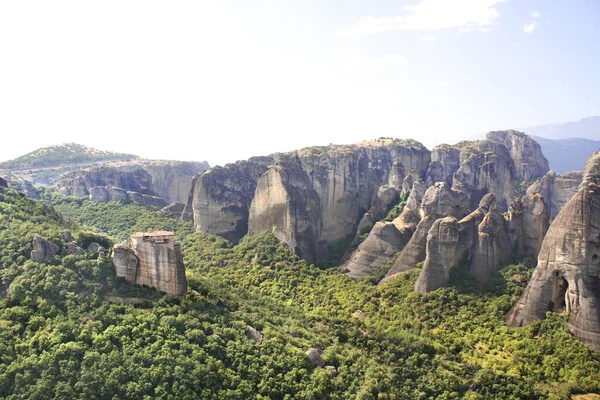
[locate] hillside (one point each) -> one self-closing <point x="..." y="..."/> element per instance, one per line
<point x="568" y="154"/>
<point x="61" y="155"/>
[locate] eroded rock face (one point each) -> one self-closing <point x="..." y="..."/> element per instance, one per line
<point x="567" y="276"/>
<point x="42" y="248"/>
<point x="528" y="223"/>
<point x="442" y="245"/>
<point x="438" y="202"/>
<point x="314" y="355"/>
<point x="386" y="238"/>
<point x="445" y="161"/>
<point x="153" y="259"/>
<point x="486" y="167"/>
<point x="526" y="153"/>
<point x="78" y="183"/>
<point x="105" y="194"/>
<point x="556" y="190"/>
<point x="175" y="208"/>
<point x="3" y="183"/>
<point x="492" y="248"/>
<point x="220" y="198"/>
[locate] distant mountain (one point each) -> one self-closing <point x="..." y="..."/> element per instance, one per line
<point x="587" y="128"/>
<point x="566" y="155"/>
<point x="63" y="154"/>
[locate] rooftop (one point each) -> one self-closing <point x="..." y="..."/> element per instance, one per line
<point x="151" y="233"/>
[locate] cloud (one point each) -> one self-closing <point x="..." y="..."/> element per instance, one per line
<point x="388" y="60"/>
<point x="429" y="38"/>
<point x="535" y="15"/>
<point x="430" y="15"/>
<point x="530" y="27"/>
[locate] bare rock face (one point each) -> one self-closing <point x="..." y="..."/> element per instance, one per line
<point x="108" y="193"/>
<point x="528" y="223"/>
<point x="438" y="202"/>
<point x="446" y="241"/>
<point x="175" y="208"/>
<point x="253" y="334"/>
<point x="567" y="276"/>
<point x="3" y="183"/>
<point x="153" y="259"/>
<point x="442" y="245"/>
<point x="78" y="183"/>
<point x="286" y="203"/>
<point x="493" y="246"/>
<point x="171" y="180"/>
<point x="526" y="153"/>
<point x="42" y="248"/>
<point x="220" y="198"/>
<point x="445" y="161"/>
<point x="486" y="167"/>
<point x="556" y="190"/>
<point x="386" y="238"/>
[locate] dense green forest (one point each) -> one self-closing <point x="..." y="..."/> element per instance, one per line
<point x="61" y="338"/>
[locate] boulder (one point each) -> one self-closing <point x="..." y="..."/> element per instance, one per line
<point x="253" y="334"/>
<point x="66" y="235"/>
<point x="566" y="278"/>
<point x="74" y="249"/>
<point x="314" y="355"/>
<point x="331" y="369"/>
<point x="94" y="248"/>
<point x="42" y="248"/>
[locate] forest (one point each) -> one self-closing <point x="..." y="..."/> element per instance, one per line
<point x="63" y="336"/>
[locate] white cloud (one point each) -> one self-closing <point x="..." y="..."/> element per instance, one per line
<point x="429" y="38"/>
<point x="530" y="27"/>
<point x="535" y="15"/>
<point x="388" y="60"/>
<point x="430" y="15"/>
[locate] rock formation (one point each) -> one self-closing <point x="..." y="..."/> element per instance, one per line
<point x="108" y="193"/>
<point x="175" y="208"/>
<point x="171" y="180"/>
<point x="439" y="201"/>
<point x="152" y="259"/>
<point x="314" y="355"/>
<point x="526" y="153"/>
<point x="556" y="190"/>
<point x="386" y="238"/>
<point x="445" y="161"/>
<point x="492" y="248"/>
<point x="78" y="183"/>
<point x="42" y="248"/>
<point x="220" y="198"/>
<point x="3" y="183"/>
<point x="528" y="223"/>
<point x="567" y="276"/>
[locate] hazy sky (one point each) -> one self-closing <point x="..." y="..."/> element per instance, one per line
<point x="225" y="80"/>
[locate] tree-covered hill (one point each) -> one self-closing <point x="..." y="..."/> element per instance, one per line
<point x="61" y="338"/>
<point x="62" y="154"/>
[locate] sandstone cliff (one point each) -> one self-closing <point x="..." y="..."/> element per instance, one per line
<point x="152" y="259"/>
<point x="314" y="197"/>
<point x="556" y="190"/>
<point x="528" y="223"/>
<point x="567" y="274"/>
<point x="526" y="153"/>
<point x="78" y="183"/>
<point x="438" y="202"/>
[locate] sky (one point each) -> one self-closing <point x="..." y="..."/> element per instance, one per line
<point x="230" y="79"/>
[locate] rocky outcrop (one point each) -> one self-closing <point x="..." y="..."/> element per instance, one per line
<point x="79" y="183"/>
<point x="253" y="334"/>
<point x="152" y="259"/>
<point x="174" y="208"/>
<point x="42" y="249"/>
<point x="438" y="202"/>
<point x="386" y="238"/>
<point x="442" y="245"/>
<point x="492" y="248"/>
<point x="486" y="167"/>
<point x="105" y="194"/>
<point x="313" y="198"/>
<point x="220" y="198"/>
<point x="446" y="242"/>
<point x="526" y="153"/>
<point x="556" y="190"/>
<point x="314" y="355"/>
<point x="567" y="276"/>
<point x="171" y="180"/>
<point x="3" y="183"/>
<point x="445" y="161"/>
<point x="528" y="223"/>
